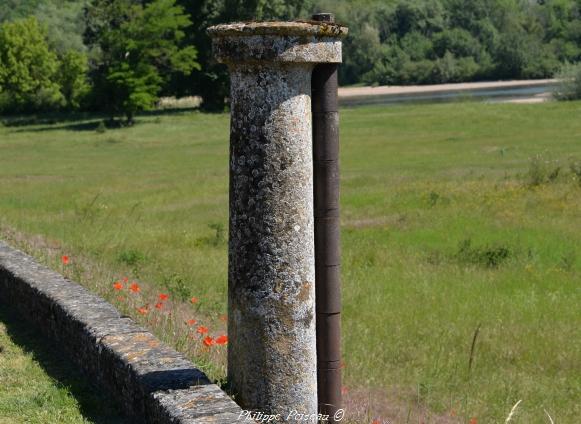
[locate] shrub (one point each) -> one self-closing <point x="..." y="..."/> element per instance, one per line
<point x="542" y="171"/>
<point x="177" y="286"/>
<point x="217" y="239"/>
<point x="131" y="257"/>
<point x="488" y="256"/>
<point x="569" y="87"/>
<point x="575" y="168"/>
<point x="101" y="128"/>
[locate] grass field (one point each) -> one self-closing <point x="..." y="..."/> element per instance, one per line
<point x="38" y="386"/>
<point x="461" y="239"/>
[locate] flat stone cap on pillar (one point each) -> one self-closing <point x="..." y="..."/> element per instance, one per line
<point x="254" y="42"/>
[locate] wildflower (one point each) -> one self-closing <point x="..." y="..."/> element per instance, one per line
<point x="134" y="287"/>
<point x="344" y="390"/>
<point x="208" y="341"/>
<point x="224" y="318"/>
<point x="191" y="322"/>
<point x="118" y="285"/>
<point x="473" y="420"/>
<point x="376" y="421"/>
<point x="125" y="279"/>
<point x="194" y="300"/>
<point x="222" y="340"/>
<point x="159" y="305"/>
<point x="163" y="296"/>
<point x="202" y="330"/>
<point x="65" y="260"/>
<point x="143" y="310"/>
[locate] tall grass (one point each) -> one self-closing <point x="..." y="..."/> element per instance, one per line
<point x="442" y="231"/>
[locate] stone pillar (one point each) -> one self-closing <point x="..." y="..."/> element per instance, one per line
<point x="272" y="361"/>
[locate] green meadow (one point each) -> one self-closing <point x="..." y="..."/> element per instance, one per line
<point x="39" y="386"/>
<point x="461" y="235"/>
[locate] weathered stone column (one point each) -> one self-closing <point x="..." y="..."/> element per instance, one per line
<point x="272" y="357"/>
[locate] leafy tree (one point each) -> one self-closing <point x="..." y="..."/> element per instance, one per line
<point x="263" y="9"/>
<point x="468" y="13"/>
<point x="28" y="68"/>
<point x="512" y="54"/>
<point x="425" y="16"/>
<point x="63" y="21"/>
<point x="445" y="68"/>
<point x="132" y="88"/>
<point x="457" y="41"/>
<point x="135" y="50"/>
<point x="133" y="59"/>
<point x="72" y="78"/>
<point x="416" y="45"/>
<point x="416" y="72"/>
<point x="17" y="9"/>
<point x="211" y="81"/>
<point x="366" y="50"/>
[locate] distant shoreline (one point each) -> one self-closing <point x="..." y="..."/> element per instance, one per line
<point x="385" y="90"/>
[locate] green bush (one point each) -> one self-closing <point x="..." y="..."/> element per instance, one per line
<point x="131" y="257"/>
<point x="569" y="87"/>
<point x="542" y="171"/>
<point x="489" y="256"/>
<point x="575" y="168"/>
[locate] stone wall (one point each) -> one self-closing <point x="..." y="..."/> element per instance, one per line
<point x="153" y="383"/>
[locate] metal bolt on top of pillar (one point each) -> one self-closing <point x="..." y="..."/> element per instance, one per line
<point x="272" y="359"/>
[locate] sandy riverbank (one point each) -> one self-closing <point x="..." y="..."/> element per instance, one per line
<point x="385" y="90"/>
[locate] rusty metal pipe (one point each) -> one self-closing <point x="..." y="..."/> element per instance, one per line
<point x="325" y="110"/>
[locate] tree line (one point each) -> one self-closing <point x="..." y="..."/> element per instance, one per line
<point x="119" y="56"/>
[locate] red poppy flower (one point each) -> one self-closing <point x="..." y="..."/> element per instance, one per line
<point x="208" y="341"/>
<point x="163" y="296"/>
<point x="143" y="310"/>
<point x="202" y="330"/>
<point x="375" y="421"/>
<point x="125" y="279"/>
<point x="222" y="340"/>
<point x="191" y="322"/>
<point x="65" y="259"/>
<point x="159" y="305"/>
<point x="194" y="300"/>
<point x="118" y="285"/>
<point x="134" y="287"/>
<point x="473" y="420"/>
